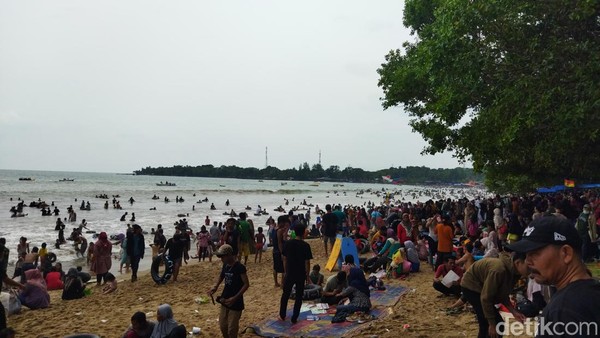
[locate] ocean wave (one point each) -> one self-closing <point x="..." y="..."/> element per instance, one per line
<point x="253" y="191"/>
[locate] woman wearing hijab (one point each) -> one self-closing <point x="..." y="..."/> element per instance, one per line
<point x="74" y="287"/>
<point x="102" y="257"/>
<point x="358" y="293"/>
<point x="34" y="295"/>
<point x="165" y="323"/>
<point x="412" y="255"/>
<point x="490" y="248"/>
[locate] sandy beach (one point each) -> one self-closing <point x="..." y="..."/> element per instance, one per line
<point x="109" y="315"/>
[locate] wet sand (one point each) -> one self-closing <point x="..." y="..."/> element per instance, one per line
<point x="109" y="315"/>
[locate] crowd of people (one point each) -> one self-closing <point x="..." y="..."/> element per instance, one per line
<point x="479" y="249"/>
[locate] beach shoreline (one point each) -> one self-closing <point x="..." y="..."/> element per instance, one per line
<point x="108" y="315"/>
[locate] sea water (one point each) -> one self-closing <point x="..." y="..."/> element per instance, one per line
<point x="269" y="194"/>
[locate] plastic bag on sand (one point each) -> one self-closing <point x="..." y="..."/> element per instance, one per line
<point x="11" y="302"/>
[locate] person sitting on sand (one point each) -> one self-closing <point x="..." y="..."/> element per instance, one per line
<point x="478" y="249"/>
<point x="442" y="271"/>
<point x="348" y="264"/>
<point x="412" y="255"/>
<point x="54" y="280"/>
<point x="58" y="268"/>
<point x="358" y="293"/>
<point x="316" y="277"/>
<point x="165" y="322"/>
<point x="378" y="239"/>
<point x="111" y="284"/>
<point x="140" y="327"/>
<point x="74" y="287"/>
<point x="384" y="256"/>
<point x="333" y="288"/>
<point x="85" y="276"/>
<point x="467" y="259"/>
<point x="35" y="294"/>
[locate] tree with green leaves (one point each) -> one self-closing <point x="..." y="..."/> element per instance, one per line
<point x="513" y="86"/>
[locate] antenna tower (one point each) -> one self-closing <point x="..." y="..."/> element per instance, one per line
<point x="319" y="156"/>
<point x="266" y="157"/>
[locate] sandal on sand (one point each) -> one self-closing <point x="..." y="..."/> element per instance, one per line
<point x="454" y="310"/>
<point x="353" y="317"/>
<point x="365" y="318"/>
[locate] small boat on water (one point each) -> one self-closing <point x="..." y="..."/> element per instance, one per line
<point x="67" y="180"/>
<point x="166" y="184"/>
<point x="26" y="179"/>
<point x="338" y="185"/>
<point x="283" y="183"/>
<point x="314" y="184"/>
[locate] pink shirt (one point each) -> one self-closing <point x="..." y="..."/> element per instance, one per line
<point x="203" y="239"/>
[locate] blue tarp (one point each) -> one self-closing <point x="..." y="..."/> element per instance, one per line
<point x="558" y="188"/>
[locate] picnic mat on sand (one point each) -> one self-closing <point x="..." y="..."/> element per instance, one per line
<point x="274" y="327"/>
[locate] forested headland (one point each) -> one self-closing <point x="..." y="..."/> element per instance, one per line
<point x="304" y="172"/>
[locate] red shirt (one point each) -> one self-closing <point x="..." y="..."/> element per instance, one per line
<point x="53" y="281"/>
<point x="442" y="271"/>
<point x="363" y="230"/>
<point x="401" y="232"/>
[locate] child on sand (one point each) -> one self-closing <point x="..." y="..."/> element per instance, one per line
<point x="43" y="252"/>
<point x="202" y="241"/>
<point x="260" y="240"/>
<point x="111" y="283"/>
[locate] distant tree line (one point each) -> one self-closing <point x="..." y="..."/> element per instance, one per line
<point x="304" y="172"/>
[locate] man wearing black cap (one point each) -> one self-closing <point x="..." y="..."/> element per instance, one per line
<point x="553" y="249"/>
<point x="233" y="273"/>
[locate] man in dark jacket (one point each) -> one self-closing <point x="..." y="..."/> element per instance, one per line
<point x="489" y="281"/>
<point x="135" y="250"/>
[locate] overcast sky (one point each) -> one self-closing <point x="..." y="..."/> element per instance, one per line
<point x="114" y="86"/>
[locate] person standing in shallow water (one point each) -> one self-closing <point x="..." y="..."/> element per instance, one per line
<point x="296" y="263"/>
<point x="102" y="257"/>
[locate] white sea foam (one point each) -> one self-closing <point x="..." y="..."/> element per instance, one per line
<point x="241" y="193"/>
